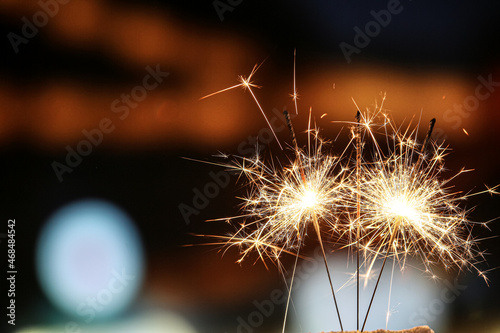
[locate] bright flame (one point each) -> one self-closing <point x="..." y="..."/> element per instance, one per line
<point x="401" y="207"/>
<point x="309" y="199"/>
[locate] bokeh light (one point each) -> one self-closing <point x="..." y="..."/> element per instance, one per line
<point x="154" y="321"/>
<point x="414" y="299"/>
<point x="89" y="260"/>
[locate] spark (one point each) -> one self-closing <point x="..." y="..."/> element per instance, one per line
<point x="295" y="95"/>
<point x="492" y="190"/>
<point x="247" y="84"/>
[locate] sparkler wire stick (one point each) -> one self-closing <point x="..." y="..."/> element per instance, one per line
<point x="393" y="234"/>
<point x="379" y="276"/>
<point x="429" y="133"/>
<point x="290" y="290"/>
<point x="316" y="227"/>
<point x="358" y="209"/>
<point x="290" y="128"/>
<point x="424" y="145"/>
<point x="426" y="141"/>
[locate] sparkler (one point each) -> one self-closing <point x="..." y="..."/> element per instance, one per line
<point x="358" y="209"/>
<point x="408" y="209"/>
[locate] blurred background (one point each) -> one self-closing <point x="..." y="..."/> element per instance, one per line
<point x="100" y="102"/>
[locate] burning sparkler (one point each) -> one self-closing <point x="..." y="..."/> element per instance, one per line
<point x="408" y="208"/>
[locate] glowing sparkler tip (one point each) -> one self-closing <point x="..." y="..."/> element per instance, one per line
<point x="401" y="208"/>
<point x="309" y="199"/>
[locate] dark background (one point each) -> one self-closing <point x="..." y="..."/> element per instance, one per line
<point x="63" y="81"/>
